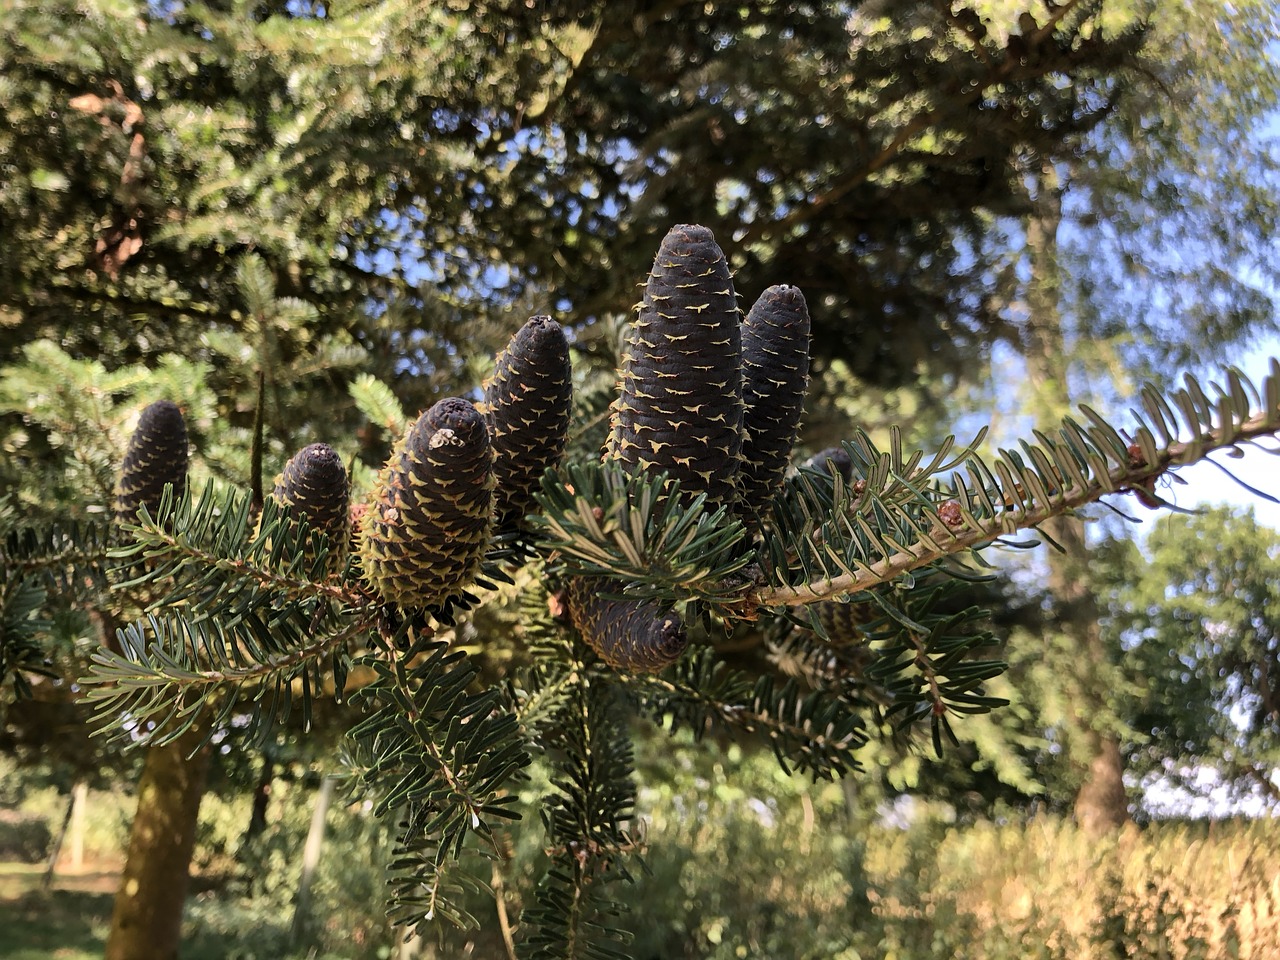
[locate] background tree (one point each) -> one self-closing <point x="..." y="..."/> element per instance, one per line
<point x="1134" y="262"/>
<point x="1190" y="616"/>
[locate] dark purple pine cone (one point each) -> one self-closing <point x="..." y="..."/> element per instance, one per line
<point x="425" y="533"/>
<point x="846" y="623"/>
<point x="775" y="376"/>
<point x="314" y="485"/>
<point x="836" y="458"/>
<point x="156" y="455"/>
<point x="680" y="402"/>
<point x="638" y="636"/>
<point x="526" y="407"/>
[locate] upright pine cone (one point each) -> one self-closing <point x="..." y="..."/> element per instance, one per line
<point x="314" y="484"/>
<point x="526" y="408"/>
<point x="156" y="455"/>
<point x="424" y="535"/>
<point x="775" y="375"/>
<point x="680" y="403"/>
<point x="636" y="636"/>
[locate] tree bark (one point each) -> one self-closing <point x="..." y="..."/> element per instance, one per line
<point x="1100" y="803"/>
<point x="146" y="922"/>
<point x="56" y="851"/>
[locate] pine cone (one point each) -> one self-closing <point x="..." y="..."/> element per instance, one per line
<point x="314" y="484"/>
<point x="156" y="455"/>
<point x="424" y="536"/>
<point x="775" y="376"/>
<point x="836" y="458"/>
<point x="526" y="408"/>
<point x="636" y="636"/>
<point x="845" y="623"/>
<point x="680" y="404"/>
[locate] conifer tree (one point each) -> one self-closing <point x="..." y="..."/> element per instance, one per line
<point x="246" y="609"/>
<point x="859" y="156"/>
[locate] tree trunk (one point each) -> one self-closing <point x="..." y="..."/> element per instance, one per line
<point x="146" y="922"/>
<point x="55" y="851"/>
<point x="261" y="799"/>
<point x="1100" y="804"/>
<point x="80" y="793"/>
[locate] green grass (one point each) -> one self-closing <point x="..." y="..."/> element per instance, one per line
<point x="59" y="925"/>
<point x="71" y="921"/>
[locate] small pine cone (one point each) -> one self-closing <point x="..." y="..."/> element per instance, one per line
<point x="845" y="623"/>
<point x="836" y="458"/>
<point x="314" y="484"/>
<point x="156" y="455"/>
<point x="680" y="402"/>
<point x="526" y="408"/>
<point x="775" y="376"/>
<point x="425" y="533"/>
<point x="638" y="636"/>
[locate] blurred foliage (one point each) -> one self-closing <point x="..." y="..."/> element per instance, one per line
<point x="26" y="796"/>
<point x="755" y="863"/>
<point x="867" y="158"/>
<point x="1193" y="617"/>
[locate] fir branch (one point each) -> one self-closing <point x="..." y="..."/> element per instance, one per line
<point x="21" y="626"/>
<point x="72" y="559"/>
<point x="174" y="667"/>
<point x="439" y="760"/>
<point x="376" y="401"/>
<point x="919" y="521"/>
<point x="816" y="731"/>
<point x="602" y="521"/>
<point x="217" y="563"/>
<point x="588" y="839"/>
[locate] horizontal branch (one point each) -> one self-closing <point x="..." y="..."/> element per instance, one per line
<point x="963" y="535"/>
<point x="112" y="673"/>
<point x="161" y="541"/>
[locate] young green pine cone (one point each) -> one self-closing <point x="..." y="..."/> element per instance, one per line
<point x="314" y="484"/>
<point x="639" y="636"/>
<point x="425" y="533"/>
<point x="680" y="403"/>
<point x="526" y="408"/>
<point x="775" y="375"/>
<point x="156" y="455"/>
